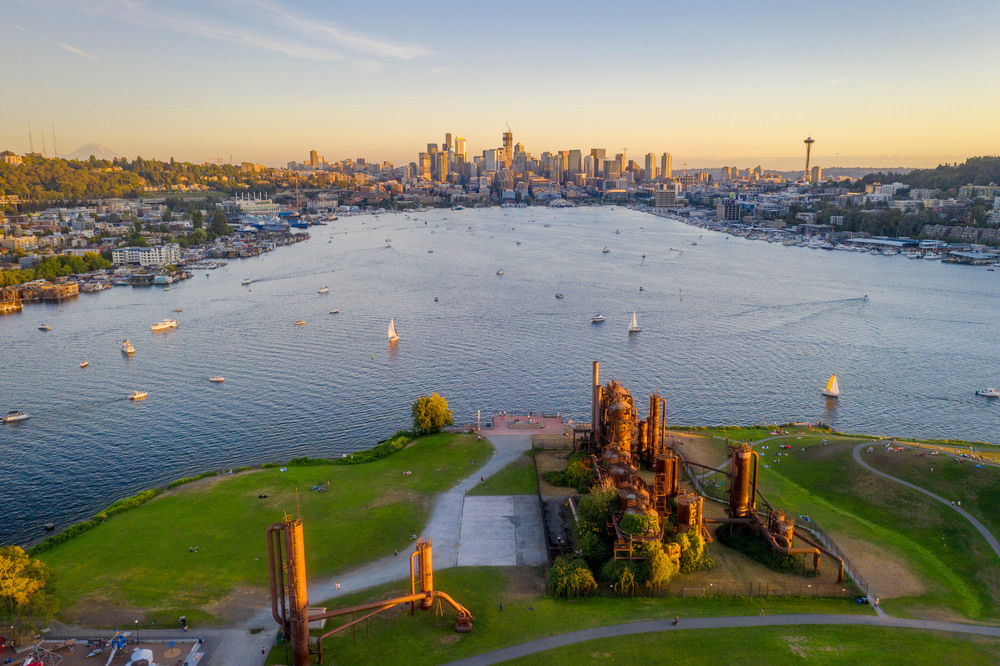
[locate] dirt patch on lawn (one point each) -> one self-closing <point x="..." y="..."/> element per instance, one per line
<point x="889" y="575"/>
<point x="239" y="605"/>
<point x="800" y="646"/>
<point x="207" y="482"/>
<point x="524" y="583"/>
<point x="699" y="448"/>
<point x="393" y="496"/>
<point x="552" y="460"/>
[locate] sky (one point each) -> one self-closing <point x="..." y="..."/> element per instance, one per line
<point x="727" y="82"/>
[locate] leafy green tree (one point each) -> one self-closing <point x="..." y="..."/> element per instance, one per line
<point x="570" y="578"/>
<point x="197" y="219"/>
<point x="430" y="413"/>
<point x="219" y="226"/>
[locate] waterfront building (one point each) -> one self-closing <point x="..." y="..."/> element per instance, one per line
<point x="666" y="198"/>
<point x="727" y="211"/>
<point x="160" y="255"/>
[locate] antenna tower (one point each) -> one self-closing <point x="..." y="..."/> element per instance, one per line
<point x="55" y="152"/>
<point x="31" y="142"/>
<point x="43" y="143"/>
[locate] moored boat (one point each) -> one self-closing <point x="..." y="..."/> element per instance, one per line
<point x="127" y="347"/>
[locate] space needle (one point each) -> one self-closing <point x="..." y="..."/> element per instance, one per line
<point x="809" y="144"/>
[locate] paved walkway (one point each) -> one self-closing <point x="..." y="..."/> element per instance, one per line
<point x="616" y="631"/>
<point x="990" y="539"/>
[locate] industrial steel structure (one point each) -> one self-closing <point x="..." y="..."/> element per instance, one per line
<point x="289" y="603"/>
<point x="620" y="441"/>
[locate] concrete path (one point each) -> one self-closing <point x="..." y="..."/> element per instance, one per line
<point x="616" y="631"/>
<point x="990" y="539"/>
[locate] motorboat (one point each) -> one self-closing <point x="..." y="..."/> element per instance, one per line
<point x="634" y="326"/>
<point x="178" y="310"/>
<point x="300" y="322"/>
<point x="597" y="319"/>
<point x="933" y="256"/>
<point x="246" y="282"/>
<point x="127" y="348"/>
<point x="605" y="251"/>
<point x="334" y="311"/>
<point x="500" y="272"/>
<point x="218" y="379"/>
<point x="323" y="290"/>
<point x="44" y="327"/>
<point x="164" y="325"/>
<point x="832" y="389"/>
<point x="393" y="336"/>
<point x="15" y="416"/>
<point x="989" y="392"/>
<point x="138" y="395"/>
<point x="85" y="364"/>
<point x="560" y="296"/>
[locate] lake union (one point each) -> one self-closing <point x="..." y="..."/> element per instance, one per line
<point x="733" y="331"/>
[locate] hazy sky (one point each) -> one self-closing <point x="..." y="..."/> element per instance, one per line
<point x="726" y="82"/>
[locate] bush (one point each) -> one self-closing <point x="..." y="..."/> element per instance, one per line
<point x="624" y="576"/>
<point x="569" y="578"/>
<point x="745" y="541"/>
<point x="638" y="524"/>
<point x="594" y="549"/>
<point x="576" y="475"/>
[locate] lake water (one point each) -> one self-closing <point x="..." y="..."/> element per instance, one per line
<point x="734" y="331"/>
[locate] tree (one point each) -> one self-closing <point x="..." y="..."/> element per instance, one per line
<point x="197" y="219"/>
<point x="219" y="226"/>
<point x="22" y="586"/>
<point x="430" y="413"/>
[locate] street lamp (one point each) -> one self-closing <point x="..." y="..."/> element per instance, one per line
<point x="137" y="631"/>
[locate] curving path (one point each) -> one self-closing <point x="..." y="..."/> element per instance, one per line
<point x="615" y="631"/>
<point x="990" y="539"/>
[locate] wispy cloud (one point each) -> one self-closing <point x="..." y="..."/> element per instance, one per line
<point x="68" y="47"/>
<point x="261" y="24"/>
<point x="838" y="81"/>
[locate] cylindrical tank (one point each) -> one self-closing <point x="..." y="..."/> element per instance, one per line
<point x="665" y="471"/>
<point x="739" y="485"/>
<point x="782" y="527"/>
<point x="653" y="430"/>
<point x="684" y="512"/>
<point x="426" y="572"/>
<point x="643" y="438"/>
<point x="298" y="600"/>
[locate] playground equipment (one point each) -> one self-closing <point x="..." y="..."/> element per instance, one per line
<point x="289" y="604"/>
<point x="619" y="441"/>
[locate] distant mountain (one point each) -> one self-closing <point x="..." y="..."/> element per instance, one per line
<point x="98" y="150"/>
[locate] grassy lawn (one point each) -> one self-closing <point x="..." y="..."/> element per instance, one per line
<point x="952" y="562"/>
<point x="138" y="563"/>
<point x="978" y="489"/>
<point x="517" y="478"/>
<point x="740" y="433"/>
<point x="779" y="645"/>
<point x="527" y="615"/>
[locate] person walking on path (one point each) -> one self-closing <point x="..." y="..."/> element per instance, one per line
<point x="184" y="622"/>
<point x="762" y="612"/>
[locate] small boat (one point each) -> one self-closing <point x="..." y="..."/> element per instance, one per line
<point x="246" y="282"/>
<point x="597" y="319"/>
<point x="300" y="322"/>
<point x="989" y="392"/>
<point x="15" y="416"/>
<point x="605" y="250"/>
<point x="166" y="289"/>
<point x="178" y="310"/>
<point x="127" y="348"/>
<point x="44" y="327"/>
<point x="634" y="326"/>
<point x="393" y="336"/>
<point x="323" y="290"/>
<point x="164" y="325"/>
<point x="617" y="231"/>
<point x="832" y="389"/>
<point x="430" y="251"/>
<point x="560" y="296"/>
<point x="218" y="379"/>
<point x="334" y="311"/>
<point x="85" y="364"/>
<point x="436" y="299"/>
<point x="693" y="243"/>
<point x="138" y="395"/>
<point x="500" y="272"/>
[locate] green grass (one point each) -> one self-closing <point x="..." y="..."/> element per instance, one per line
<point x="946" y="553"/>
<point x="527" y="615"/>
<point x="779" y="645"/>
<point x="517" y="478"/>
<point x="740" y="433"/>
<point x="140" y="559"/>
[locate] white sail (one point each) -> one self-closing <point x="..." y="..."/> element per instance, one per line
<point x="832" y="388"/>
<point x="393" y="336"/>
<point x="634" y="326"/>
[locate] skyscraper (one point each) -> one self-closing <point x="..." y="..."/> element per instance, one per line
<point x="599" y="155"/>
<point x="575" y="163"/>
<point x="650" y="166"/>
<point x="313" y="159"/>
<point x="508" y="148"/>
<point x="424" y="165"/>
<point x="460" y="147"/>
<point x="442" y="167"/>
<point x="667" y="165"/>
<point x="447" y="141"/>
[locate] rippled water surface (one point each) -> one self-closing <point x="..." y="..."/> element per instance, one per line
<point x="734" y="331"/>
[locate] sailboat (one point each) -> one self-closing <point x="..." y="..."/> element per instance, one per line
<point x="634" y="326"/>
<point x="393" y="336"/>
<point x="832" y="390"/>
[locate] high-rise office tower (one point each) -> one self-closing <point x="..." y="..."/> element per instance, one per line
<point x="599" y="155"/>
<point x="432" y="148"/>
<point x="727" y="174"/>
<point x="588" y="166"/>
<point x="650" y="166"/>
<point x="809" y="141"/>
<point x="424" y="165"/>
<point x="575" y="163"/>
<point x="667" y="165"/>
<point x="816" y="174"/>
<point x="508" y="148"/>
<point x="447" y="141"/>
<point x="313" y="159"/>
<point x="460" y="147"/>
<point x="442" y="167"/>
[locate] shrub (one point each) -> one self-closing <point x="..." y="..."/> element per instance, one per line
<point x="754" y="546"/>
<point x="624" y="575"/>
<point x="569" y="578"/>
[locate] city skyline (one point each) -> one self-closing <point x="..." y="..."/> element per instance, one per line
<point x="266" y="82"/>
